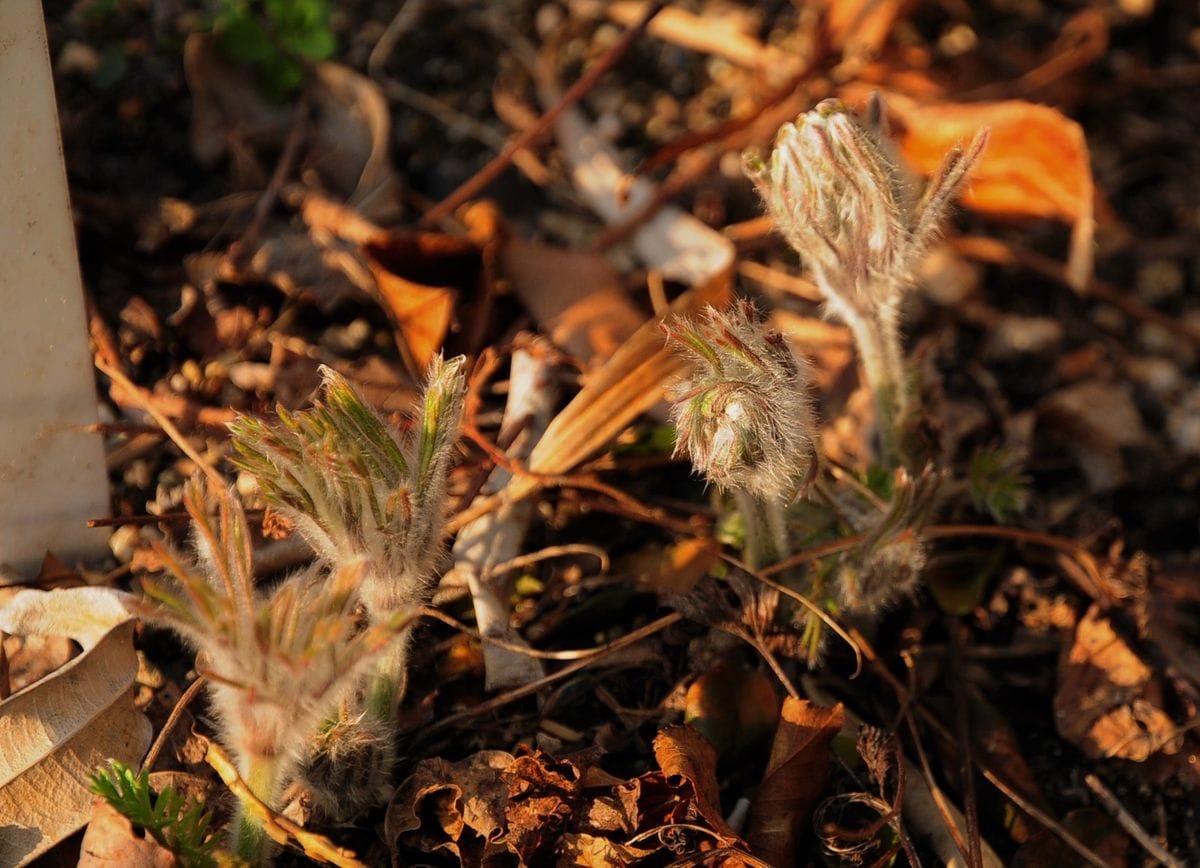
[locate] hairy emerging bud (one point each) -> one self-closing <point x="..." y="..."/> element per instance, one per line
<point x="279" y="663"/>
<point x="353" y="489"/>
<point x="887" y="566"/>
<point x="837" y="194"/>
<point x="743" y="416"/>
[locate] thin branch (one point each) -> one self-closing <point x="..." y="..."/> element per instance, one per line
<point x="530" y="689"/>
<point x="1129" y="823"/>
<point x="176" y="713"/>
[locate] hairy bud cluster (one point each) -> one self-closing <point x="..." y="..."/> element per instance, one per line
<point x="838" y="195"/>
<point x="353" y="489"/>
<point x="743" y="416"/>
<point x="887" y="566"/>
<point x="279" y="662"/>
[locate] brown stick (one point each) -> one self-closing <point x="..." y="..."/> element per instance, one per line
<point x="529" y="689"/>
<point x="1129" y="823"/>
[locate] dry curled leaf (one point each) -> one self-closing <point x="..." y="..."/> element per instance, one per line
<point x="542" y="795"/>
<point x="56" y="732"/>
<point x="1107" y="699"/>
<point x="111" y="842"/>
<point x="796" y="775"/>
<point x="683" y="752"/>
<point x="457" y="807"/>
<point x="1036" y="163"/>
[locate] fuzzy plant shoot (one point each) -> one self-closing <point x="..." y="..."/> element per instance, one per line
<point x="744" y="418"/>
<point x="357" y="492"/>
<point x="839" y="196"/>
<point x="278" y="663"/>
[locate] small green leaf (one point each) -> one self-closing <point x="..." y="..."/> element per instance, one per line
<point x="183" y="833"/>
<point x="243" y="39"/>
<point x="315" y="43"/>
<point x="998" y="483"/>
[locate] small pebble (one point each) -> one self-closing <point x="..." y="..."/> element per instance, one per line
<point x="1160" y="280"/>
<point x="1183" y="423"/>
<point x="1014" y="336"/>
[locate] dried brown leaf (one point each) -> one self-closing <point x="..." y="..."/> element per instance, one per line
<point x="54" y="733"/>
<point x="110" y="842"/>
<point x="441" y="800"/>
<point x="420" y="276"/>
<point x="796" y="775"/>
<point x="542" y="793"/>
<point x="1105" y="699"/>
<point x="681" y="751"/>
<point x="1036" y="163"/>
<point x="575" y="296"/>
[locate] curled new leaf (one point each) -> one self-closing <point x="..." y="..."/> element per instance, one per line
<point x="743" y="415"/>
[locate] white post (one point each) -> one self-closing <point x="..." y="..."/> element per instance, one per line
<point x="52" y="474"/>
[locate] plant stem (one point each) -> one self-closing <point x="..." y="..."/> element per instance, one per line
<point x="388" y="680"/>
<point x="766" y="529"/>
<point x="261" y="775"/>
<point x="878" y="340"/>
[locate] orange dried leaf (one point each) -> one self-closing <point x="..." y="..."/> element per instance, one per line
<point x="1036" y="163"/>
<point x="681" y="751"/>
<point x="630" y="383"/>
<point x="1105" y="701"/>
<point x="796" y="775"/>
<point x="420" y="276"/>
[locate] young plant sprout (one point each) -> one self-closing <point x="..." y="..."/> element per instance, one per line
<point x="839" y="197"/>
<point x="354" y="490"/>
<point x="887" y="565"/>
<point x="745" y="419"/>
<point x="358" y="493"/>
<point x="278" y="663"/>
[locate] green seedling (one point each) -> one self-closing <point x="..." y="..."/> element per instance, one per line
<point x="278" y="39"/>
<point x="182" y="829"/>
<point x="357" y="492"/>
